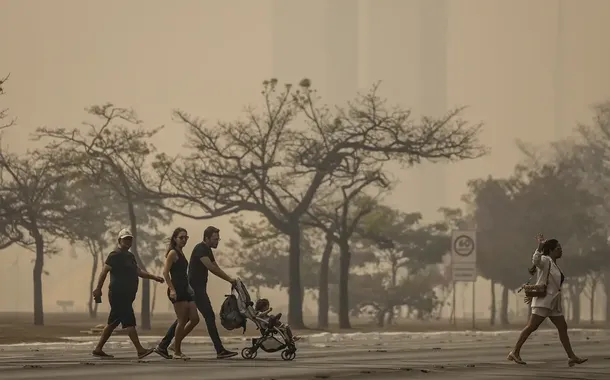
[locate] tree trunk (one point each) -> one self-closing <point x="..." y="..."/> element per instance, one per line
<point x="37" y="277"/>
<point x="323" y="284"/>
<point x="295" y="291"/>
<point x="381" y="317"/>
<point x="344" y="263"/>
<point x="391" y="315"/>
<point x="154" y="299"/>
<point x="607" y="292"/>
<point x="575" y="295"/>
<point x="91" y="304"/>
<point x="452" y="316"/>
<point x="145" y="312"/>
<point x="592" y="301"/>
<point x="504" y="307"/>
<point x="492" y="318"/>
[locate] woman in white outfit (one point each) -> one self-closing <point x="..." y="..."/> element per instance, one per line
<point x="545" y="260"/>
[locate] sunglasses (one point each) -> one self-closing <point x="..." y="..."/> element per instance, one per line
<point x="183" y="237"/>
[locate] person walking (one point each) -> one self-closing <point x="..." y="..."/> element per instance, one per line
<point x="202" y="262"/>
<point x="178" y="289"/>
<point x="124" y="281"/>
<point x="550" y="306"/>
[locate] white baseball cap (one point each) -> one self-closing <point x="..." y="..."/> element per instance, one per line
<point x="124" y="233"/>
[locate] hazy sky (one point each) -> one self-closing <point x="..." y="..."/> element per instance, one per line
<point x="527" y="69"/>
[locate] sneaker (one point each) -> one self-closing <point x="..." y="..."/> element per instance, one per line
<point x="225" y="354"/>
<point x="101" y="354"/>
<point x="162" y="351"/>
<point x="145" y="353"/>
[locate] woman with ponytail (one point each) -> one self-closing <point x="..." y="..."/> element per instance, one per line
<point x="547" y="273"/>
<point x="179" y="292"/>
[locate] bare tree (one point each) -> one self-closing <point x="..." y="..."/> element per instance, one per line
<point x="339" y="216"/>
<point x="274" y="162"/>
<point x="593" y="279"/>
<point x="9" y="233"/>
<point x="113" y="152"/>
<point x="9" y="215"/>
<point x="44" y="209"/>
<point x="4" y="111"/>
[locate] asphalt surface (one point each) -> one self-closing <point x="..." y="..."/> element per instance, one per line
<point x="358" y="357"/>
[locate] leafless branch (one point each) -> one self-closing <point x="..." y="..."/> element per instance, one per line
<point x="276" y="161"/>
<point x="4" y="111"/>
<point x="36" y="199"/>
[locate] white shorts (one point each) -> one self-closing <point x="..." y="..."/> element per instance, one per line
<point x="546" y="312"/>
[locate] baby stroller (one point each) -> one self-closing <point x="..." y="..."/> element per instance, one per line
<point x="273" y="337"/>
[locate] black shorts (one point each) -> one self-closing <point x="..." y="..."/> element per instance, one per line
<point x="184" y="294"/>
<point x="121" y="310"/>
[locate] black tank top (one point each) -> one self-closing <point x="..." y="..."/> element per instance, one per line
<point x="178" y="272"/>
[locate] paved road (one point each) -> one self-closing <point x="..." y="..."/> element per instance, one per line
<point x="433" y="357"/>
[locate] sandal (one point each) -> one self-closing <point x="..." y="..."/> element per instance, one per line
<point x="180" y="356"/>
<point x="515" y="358"/>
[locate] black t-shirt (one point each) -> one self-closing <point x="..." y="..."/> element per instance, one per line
<point x="198" y="273"/>
<point x="124" y="278"/>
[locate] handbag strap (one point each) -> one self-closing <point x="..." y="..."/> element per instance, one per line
<point x="548" y="273"/>
<point x="553" y="278"/>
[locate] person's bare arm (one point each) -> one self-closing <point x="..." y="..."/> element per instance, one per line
<point x="100" y="281"/>
<point x="214" y="268"/>
<point x="169" y="261"/>
<point x="144" y="274"/>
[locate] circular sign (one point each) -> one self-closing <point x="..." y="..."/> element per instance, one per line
<point x="463" y="245"/>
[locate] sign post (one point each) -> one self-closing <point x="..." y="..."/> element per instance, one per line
<point x="464" y="261"/>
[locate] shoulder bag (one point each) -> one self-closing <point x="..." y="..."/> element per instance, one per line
<point x="537" y="290"/>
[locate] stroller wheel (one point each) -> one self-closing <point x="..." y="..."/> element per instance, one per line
<point x="248" y="353"/>
<point x="288" y="355"/>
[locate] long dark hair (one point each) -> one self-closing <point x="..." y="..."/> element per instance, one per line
<point x="172" y="240"/>
<point x="545" y="248"/>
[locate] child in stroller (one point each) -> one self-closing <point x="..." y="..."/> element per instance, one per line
<point x="275" y="335"/>
<point x="263" y="310"/>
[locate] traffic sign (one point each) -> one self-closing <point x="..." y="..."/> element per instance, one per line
<point x="464" y="255"/>
<point x="464" y="273"/>
<point x="463" y="246"/>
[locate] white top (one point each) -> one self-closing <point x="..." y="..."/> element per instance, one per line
<point x="553" y="286"/>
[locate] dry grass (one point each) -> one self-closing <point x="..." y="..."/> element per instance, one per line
<point x="18" y="327"/>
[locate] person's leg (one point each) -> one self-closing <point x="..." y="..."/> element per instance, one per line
<point x="205" y="307"/>
<point x="289" y="333"/>
<point x="182" y="313"/>
<point x="128" y="320"/>
<point x="112" y="323"/>
<point x="193" y="318"/>
<point x="562" y="329"/>
<point x="106" y="333"/>
<point x="532" y="325"/>
<point x="169" y="336"/>
<point x="163" y="346"/>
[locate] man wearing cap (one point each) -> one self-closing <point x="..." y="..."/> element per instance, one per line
<point x="124" y="281"/>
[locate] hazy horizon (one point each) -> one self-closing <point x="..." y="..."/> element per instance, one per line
<point x="527" y="70"/>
